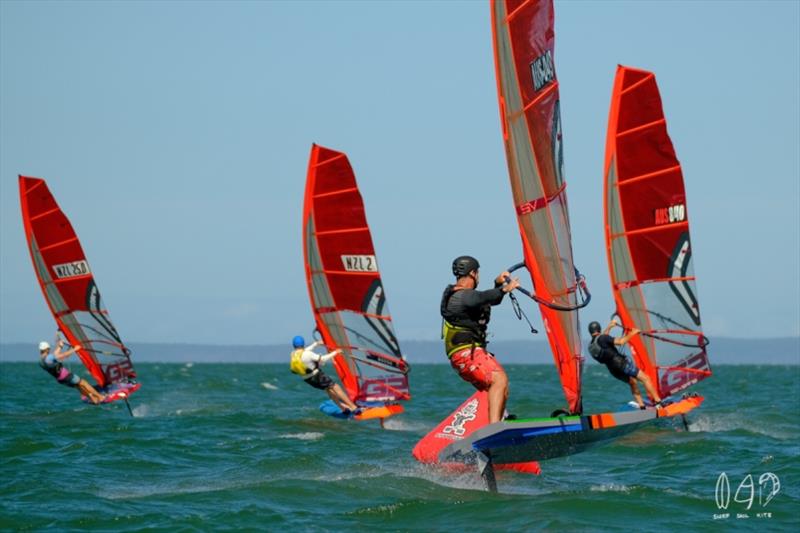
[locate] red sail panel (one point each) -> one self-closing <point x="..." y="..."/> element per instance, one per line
<point x="69" y="287"/>
<point x="344" y="283"/>
<point x="647" y="237"/>
<point x="529" y="111"/>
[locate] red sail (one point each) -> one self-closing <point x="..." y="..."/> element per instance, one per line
<point x="647" y="237"/>
<point x="529" y="111"/>
<point x="69" y="287"/>
<point x="344" y="283"/>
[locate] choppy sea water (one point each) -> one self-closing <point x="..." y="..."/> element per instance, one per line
<point x="238" y="446"/>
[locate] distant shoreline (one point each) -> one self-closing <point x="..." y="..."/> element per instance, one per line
<point x="722" y="351"/>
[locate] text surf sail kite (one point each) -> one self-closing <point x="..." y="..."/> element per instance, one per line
<point x="345" y="286"/>
<point x="647" y="237"/>
<point x="70" y="289"/>
<point x="531" y="122"/>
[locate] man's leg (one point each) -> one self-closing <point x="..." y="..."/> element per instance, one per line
<point x="498" y="395"/>
<point x="340" y="398"/>
<point x="635" y="391"/>
<point x="90" y="392"/>
<point x="648" y="385"/>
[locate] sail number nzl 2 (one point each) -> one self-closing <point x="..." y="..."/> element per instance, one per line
<point x="360" y="263"/>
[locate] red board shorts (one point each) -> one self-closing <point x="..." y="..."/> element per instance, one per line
<point x="475" y="365"/>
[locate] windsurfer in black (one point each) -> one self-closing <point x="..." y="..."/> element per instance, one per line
<point x="603" y="348"/>
<point x="52" y="364"/>
<point x="466" y="313"/>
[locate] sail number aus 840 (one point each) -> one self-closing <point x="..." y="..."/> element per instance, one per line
<point x="360" y="263"/>
<point x="71" y="270"/>
<point x="670" y="215"/>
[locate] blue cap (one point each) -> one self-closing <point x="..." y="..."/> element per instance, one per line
<point x="298" y="342"/>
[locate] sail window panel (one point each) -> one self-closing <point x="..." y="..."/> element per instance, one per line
<point x="339" y="337"/>
<point x="672" y="306"/>
<point x="560" y="217"/>
<point x="312" y="251"/>
<point x="613" y="206"/>
<point x="360" y="334"/>
<point x="51" y="293"/>
<point x="570" y="328"/>
<point x="319" y="283"/>
<point x="675" y="348"/>
<point x="322" y="294"/>
<point x="543" y="242"/>
<point x="635" y="306"/>
<point x="641" y="105"/>
<point x="525" y="181"/>
<point x="644" y="151"/>
<point x="621" y="258"/>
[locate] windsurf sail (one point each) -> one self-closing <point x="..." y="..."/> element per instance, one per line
<point x="345" y="286"/>
<point x="70" y="289"/>
<point x="647" y="237"/>
<point x="527" y="87"/>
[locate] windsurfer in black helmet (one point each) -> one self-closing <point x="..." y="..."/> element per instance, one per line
<point x="603" y="348"/>
<point x="466" y="313"/>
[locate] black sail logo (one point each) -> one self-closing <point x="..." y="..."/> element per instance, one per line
<point x="375" y="306"/>
<point x="678" y="268"/>
<point x="96" y="309"/>
<point x="558" y="147"/>
<point x="543" y="70"/>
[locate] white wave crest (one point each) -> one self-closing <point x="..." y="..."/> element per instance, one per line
<point x="309" y="435"/>
<point x="610" y="487"/>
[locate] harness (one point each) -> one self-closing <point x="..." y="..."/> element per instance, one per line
<point x="459" y="329"/>
<point x="615" y="361"/>
<point x="54" y="370"/>
<point x="297" y="366"/>
<point x="594" y="349"/>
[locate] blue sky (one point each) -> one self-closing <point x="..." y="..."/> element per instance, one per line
<point x="176" y="138"/>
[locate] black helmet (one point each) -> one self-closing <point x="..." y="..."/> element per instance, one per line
<point x="464" y="264"/>
<point x="594" y="327"/>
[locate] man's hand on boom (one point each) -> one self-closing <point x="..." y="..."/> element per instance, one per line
<point x="507" y="283"/>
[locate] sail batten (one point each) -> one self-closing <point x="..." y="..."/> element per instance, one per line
<point x="344" y="283"/>
<point x="631" y="131"/>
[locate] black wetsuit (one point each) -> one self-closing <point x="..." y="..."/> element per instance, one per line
<point x="604" y="351"/>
